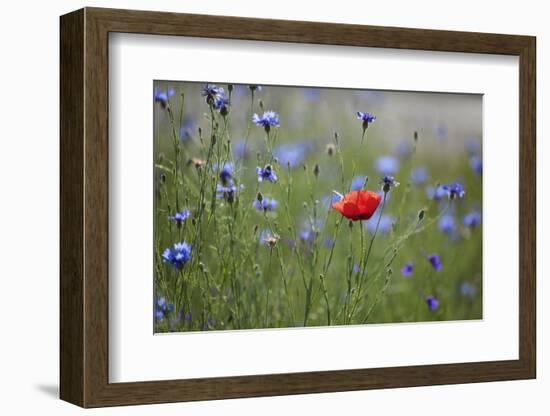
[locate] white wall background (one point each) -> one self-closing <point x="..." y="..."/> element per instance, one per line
<point x="29" y="159"/>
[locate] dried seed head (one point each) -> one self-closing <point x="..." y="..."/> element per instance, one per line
<point x="197" y="162"/>
<point x="272" y="240"/>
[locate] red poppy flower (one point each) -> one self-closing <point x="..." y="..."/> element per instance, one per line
<point x="358" y="205"/>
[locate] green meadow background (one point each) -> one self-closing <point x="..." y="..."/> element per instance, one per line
<point x="234" y="280"/>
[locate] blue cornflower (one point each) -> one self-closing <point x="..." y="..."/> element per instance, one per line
<point x="404" y="149"/>
<point x="212" y="93"/>
<point x="328" y="243"/>
<point x="407" y="269"/>
<point x="454" y="190"/>
<point x="266" y="174"/>
<point x="432" y="303"/>
<point x="268" y="119"/>
<point x="355" y="268"/>
<point x="467" y="290"/>
<point x="328" y="200"/>
<point x="387" y="165"/>
<point x="177" y="255"/>
<point x="266" y="204"/>
<point x="388" y="182"/>
<point x="221" y="103"/>
<point x="447" y="224"/>
<point x="435" y="261"/>
<point x="228" y="192"/>
<point x="186" y="131"/>
<point x="310" y="231"/>
<point x="226" y="172"/>
<point x="162" y="309"/>
<point x="419" y="176"/>
<point x="357" y="182"/>
<point x="292" y="154"/>
<point x="162" y="97"/>
<point x="476" y="164"/>
<point x="386" y="224"/>
<point x="366" y="118"/>
<point x="180" y="217"/>
<point x="435" y="192"/>
<point x="472" y="219"/>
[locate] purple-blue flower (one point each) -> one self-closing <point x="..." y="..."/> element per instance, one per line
<point x="266" y="174"/>
<point x="435" y="261"/>
<point x="435" y="192"/>
<point x="404" y="149"/>
<point x="162" y="97"/>
<point x="454" y="190"/>
<point x="419" y="176"/>
<point x="292" y="154"/>
<point x="180" y="217"/>
<point x="227" y="192"/>
<point x="467" y="290"/>
<point x="476" y="164"/>
<point x="188" y="128"/>
<point x="447" y="224"/>
<point x="388" y="182"/>
<point x="472" y="219"/>
<point x="386" y="224"/>
<point x="225" y="173"/>
<point x="432" y="303"/>
<point x="357" y="182"/>
<point x="366" y="118"/>
<point x="266" y="204"/>
<point x="387" y="165"/>
<point x="407" y="269"/>
<point x="221" y="103"/>
<point x="211" y="93"/>
<point x="162" y="308"/>
<point x="355" y="268"/>
<point x="268" y="119"/>
<point x="177" y="255"/>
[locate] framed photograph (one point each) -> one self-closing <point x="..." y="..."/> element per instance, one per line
<point x="263" y="207"/>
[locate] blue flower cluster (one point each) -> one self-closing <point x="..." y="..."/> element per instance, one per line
<point x="177" y="255"/>
<point x="266" y="174"/>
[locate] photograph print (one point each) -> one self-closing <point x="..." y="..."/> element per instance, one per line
<point x="292" y="206"/>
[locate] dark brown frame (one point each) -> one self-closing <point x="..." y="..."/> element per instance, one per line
<point x="84" y="207"/>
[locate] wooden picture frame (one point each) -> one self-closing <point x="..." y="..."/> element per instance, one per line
<point x="84" y="207"/>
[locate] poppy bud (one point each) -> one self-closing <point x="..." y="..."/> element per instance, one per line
<point x="163" y="177"/>
<point x="260" y="197"/>
<point x="415" y="136"/>
<point x="421" y="215"/>
<point x="261" y="104"/>
<point x="230" y="87"/>
<point x="331" y="149"/>
<point x="161" y="157"/>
